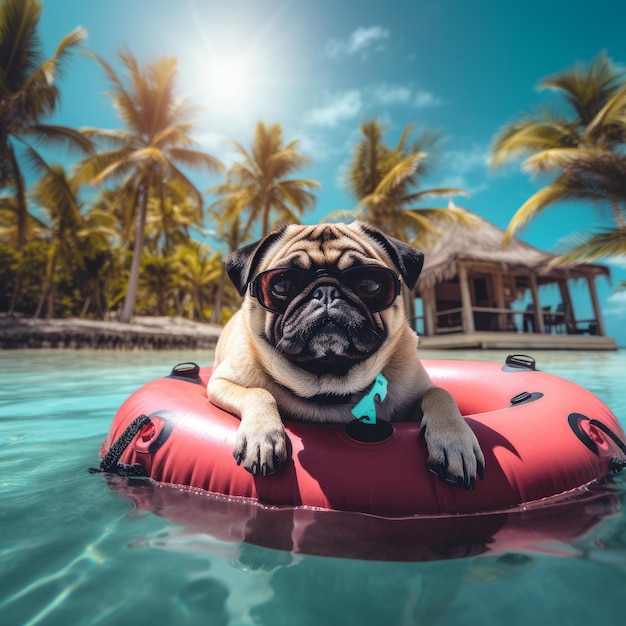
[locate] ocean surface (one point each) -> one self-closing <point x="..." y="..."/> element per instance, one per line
<point x="75" y="551"/>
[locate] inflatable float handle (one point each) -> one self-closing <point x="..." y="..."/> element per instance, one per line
<point x="365" y="410"/>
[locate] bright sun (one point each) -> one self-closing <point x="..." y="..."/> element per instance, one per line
<point x="231" y="83"/>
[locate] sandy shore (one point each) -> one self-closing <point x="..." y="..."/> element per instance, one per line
<point x="158" y="333"/>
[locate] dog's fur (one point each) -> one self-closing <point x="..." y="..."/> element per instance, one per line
<point x="315" y="361"/>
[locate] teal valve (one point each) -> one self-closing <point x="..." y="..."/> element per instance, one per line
<point x="365" y="410"/>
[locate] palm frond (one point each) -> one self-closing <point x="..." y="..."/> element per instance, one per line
<point x="533" y="133"/>
<point x="434" y="192"/>
<point x="150" y="156"/>
<point x="344" y="215"/>
<point x="90" y="170"/>
<point x="399" y="174"/>
<point x="60" y="135"/>
<point x="20" y="47"/>
<point x="175" y="135"/>
<point x="122" y="98"/>
<point x="609" y="243"/>
<point x="196" y="159"/>
<point x="116" y="138"/>
<point x="610" y="116"/>
<point x="57" y="193"/>
<point x="554" y="192"/>
<point x="53" y="68"/>
<point x="178" y="175"/>
<point x="552" y="159"/>
<point x="586" y="88"/>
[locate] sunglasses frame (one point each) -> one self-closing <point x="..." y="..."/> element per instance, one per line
<point x="314" y="275"/>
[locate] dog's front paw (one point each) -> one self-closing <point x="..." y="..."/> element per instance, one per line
<point x="454" y="455"/>
<point x="261" y="449"/>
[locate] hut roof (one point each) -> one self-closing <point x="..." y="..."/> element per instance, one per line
<point x="481" y="241"/>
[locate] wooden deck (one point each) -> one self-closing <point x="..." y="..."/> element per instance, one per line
<point x="486" y="340"/>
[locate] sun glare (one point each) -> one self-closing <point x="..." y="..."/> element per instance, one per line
<point x="231" y="81"/>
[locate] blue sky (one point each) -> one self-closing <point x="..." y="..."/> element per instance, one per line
<point x="461" y="67"/>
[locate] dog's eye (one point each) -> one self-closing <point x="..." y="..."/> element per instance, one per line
<point x="282" y="288"/>
<point x="367" y="287"/>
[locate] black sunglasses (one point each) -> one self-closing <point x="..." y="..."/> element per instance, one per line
<point x="377" y="287"/>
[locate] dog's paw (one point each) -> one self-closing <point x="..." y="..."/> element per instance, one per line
<point x="261" y="451"/>
<point x="454" y="455"/>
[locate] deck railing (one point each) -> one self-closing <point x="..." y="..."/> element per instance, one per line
<point x="509" y="320"/>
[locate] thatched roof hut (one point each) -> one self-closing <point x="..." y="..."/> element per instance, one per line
<point x="475" y="291"/>
<point x="481" y="241"/>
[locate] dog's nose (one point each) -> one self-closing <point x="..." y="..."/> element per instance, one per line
<point x="326" y="294"/>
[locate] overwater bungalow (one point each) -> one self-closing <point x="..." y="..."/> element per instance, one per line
<point x="476" y="293"/>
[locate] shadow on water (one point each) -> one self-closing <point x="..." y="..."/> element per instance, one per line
<point x="417" y="570"/>
<point x="343" y="534"/>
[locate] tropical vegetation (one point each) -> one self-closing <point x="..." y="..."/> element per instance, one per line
<point x="385" y="182"/>
<point x="145" y="155"/>
<point x="259" y="187"/>
<point x="124" y="230"/>
<point x="580" y="146"/>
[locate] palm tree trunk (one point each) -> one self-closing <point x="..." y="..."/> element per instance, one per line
<point x="128" y="309"/>
<point x="50" y="302"/>
<point x="47" y="293"/>
<point x="85" y="307"/>
<point x="20" y="196"/>
<point x="15" y="295"/>
<point x="42" y="300"/>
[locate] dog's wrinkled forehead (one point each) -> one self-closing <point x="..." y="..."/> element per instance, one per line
<point x="328" y="245"/>
<point x="338" y="246"/>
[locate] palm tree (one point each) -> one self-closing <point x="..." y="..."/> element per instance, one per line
<point x="198" y="273"/>
<point x="385" y="183"/>
<point x="10" y="223"/>
<point x="583" y="146"/>
<point x="145" y="155"/>
<point x="158" y="280"/>
<point x="74" y="239"/>
<point x="28" y="95"/>
<point x="172" y="216"/>
<point x="230" y="229"/>
<point x="259" y="185"/>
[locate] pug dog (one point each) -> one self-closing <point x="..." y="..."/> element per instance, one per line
<point x="323" y="315"/>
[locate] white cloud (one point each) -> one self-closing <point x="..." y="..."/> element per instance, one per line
<point x="338" y="107"/>
<point x="392" y="94"/>
<point x="360" y="40"/>
<point x="218" y="146"/>
<point x="316" y="147"/>
<point x="425" y="99"/>
<point x="463" y="167"/>
<point x="616" y="304"/>
<point x="387" y="94"/>
<point x="619" y="262"/>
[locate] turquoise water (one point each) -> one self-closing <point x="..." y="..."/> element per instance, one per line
<point x="74" y="551"/>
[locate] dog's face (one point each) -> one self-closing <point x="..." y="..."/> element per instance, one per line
<point x="325" y="297"/>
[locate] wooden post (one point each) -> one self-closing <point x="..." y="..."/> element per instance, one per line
<point x="429" y="308"/>
<point x="570" y="327"/>
<point x="498" y="292"/>
<point x="466" y="301"/>
<point x="596" y="306"/>
<point x="539" y="327"/>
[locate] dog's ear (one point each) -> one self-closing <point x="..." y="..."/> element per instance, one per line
<point x="241" y="264"/>
<point x="406" y="258"/>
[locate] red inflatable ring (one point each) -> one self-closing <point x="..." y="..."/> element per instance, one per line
<point x="542" y="437"/>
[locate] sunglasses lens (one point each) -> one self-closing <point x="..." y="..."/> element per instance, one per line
<point x="277" y="288"/>
<point x="377" y="287"/>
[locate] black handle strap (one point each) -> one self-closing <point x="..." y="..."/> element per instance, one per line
<point x="110" y="462"/>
